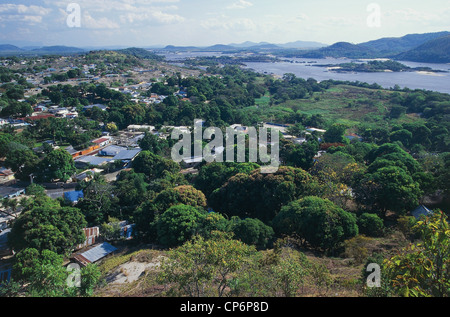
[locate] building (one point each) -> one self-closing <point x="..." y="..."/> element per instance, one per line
<point x="6" y="176"/>
<point x="11" y="192"/>
<point x="92" y="236"/>
<point x="91" y="161"/>
<point x="5" y="250"/>
<point x="100" y="106"/>
<point x="127" y="155"/>
<point x="101" y="142"/>
<point x="5" y="273"/>
<point x="421" y="211"/>
<point x="133" y="128"/>
<point x="94" y="254"/>
<point x="316" y="130"/>
<point x="112" y="150"/>
<point x="73" y="196"/>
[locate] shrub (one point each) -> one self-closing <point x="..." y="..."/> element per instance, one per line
<point x="370" y="225"/>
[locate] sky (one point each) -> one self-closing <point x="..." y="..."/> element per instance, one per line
<point x="146" y="23"/>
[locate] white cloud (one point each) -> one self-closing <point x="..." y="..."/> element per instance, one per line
<point x="23" y="9"/>
<point x="151" y="16"/>
<point x="98" y="23"/>
<point x="240" y="4"/>
<point x="225" y="23"/>
<point x="21" y="13"/>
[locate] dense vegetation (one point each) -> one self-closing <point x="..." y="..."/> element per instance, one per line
<point x="231" y="228"/>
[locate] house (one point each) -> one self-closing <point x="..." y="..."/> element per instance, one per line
<point x="6" y="175"/>
<point x="353" y="136"/>
<point x="11" y="192"/>
<point x="190" y="162"/>
<point x="316" y="130"/>
<point x="275" y="126"/>
<point x="100" y="106"/>
<point x="104" y="141"/>
<point x="87" y="175"/>
<point x="111" y="150"/>
<point x="94" y="254"/>
<point x="92" y="234"/>
<point x="5" y="273"/>
<point x="421" y="211"/>
<point x="5" y="250"/>
<point x="299" y="140"/>
<point x="133" y="128"/>
<point x="127" y="155"/>
<point x="91" y="161"/>
<point x="73" y="196"/>
<point x="40" y="108"/>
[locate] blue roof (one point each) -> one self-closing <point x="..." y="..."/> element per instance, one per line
<point x="74" y="195"/>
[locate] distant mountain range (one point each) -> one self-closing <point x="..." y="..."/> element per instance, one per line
<point x="6" y="50"/>
<point x="248" y="46"/>
<point x="428" y="47"/>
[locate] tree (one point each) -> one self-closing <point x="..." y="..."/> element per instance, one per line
<point x="44" y="224"/>
<point x="42" y="271"/>
<point x="204" y="267"/>
<point x="57" y="165"/>
<point x="43" y="275"/>
<point x="260" y="196"/>
<point x="99" y="201"/>
<point x="335" y="134"/>
<point x="317" y="221"/>
<point x="153" y="165"/>
<point x="178" y="224"/>
<point x="423" y="269"/>
<point x="389" y="188"/>
<point x="21" y="160"/>
<point x="154" y="144"/>
<point x="185" y="195"/>
<point x="212" y="176"/>
<point x="370" y="225"/>
<point x="252" y="232"/>
<point x="300" y="156"/>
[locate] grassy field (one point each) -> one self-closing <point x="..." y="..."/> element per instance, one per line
<point x="342" y="104"/>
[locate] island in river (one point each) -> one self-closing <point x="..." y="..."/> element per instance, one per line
<point x="376" y="66"/>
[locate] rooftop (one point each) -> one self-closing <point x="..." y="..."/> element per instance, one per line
<point x="95" y="254"/>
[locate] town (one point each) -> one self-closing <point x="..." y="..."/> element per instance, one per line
<point x="88" y="177"/>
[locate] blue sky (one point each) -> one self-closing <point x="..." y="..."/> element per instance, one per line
<point x="207" y="22"/>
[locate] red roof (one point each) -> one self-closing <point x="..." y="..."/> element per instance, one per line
<point x="38" y="117"/>
<point x="98" y="141"/>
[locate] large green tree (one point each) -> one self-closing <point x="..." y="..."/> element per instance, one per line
<point x="316" y="221"/>
<point x="57" y="165"/>
<point x="261" y="196"/>
<point x="44" y="224"/>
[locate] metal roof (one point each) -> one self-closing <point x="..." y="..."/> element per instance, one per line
<point x="96" y="253"/>
<point x="126" y="155"/>
<point x="92" y="160"/>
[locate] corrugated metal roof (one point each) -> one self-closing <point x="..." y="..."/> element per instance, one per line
<point x="126" y="155"/>
<point x="96" y="253"/>
<point x="92" y="160"/>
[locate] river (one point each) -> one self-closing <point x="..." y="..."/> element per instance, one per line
<point x="303" y="68"/>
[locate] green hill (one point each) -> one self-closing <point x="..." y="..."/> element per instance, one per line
<point x="434" y="51"/>
<point x="340" y="49"/>
<point x="396" y="45"/>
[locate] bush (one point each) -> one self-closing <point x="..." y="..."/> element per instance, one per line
<point x="370" y="225"/>
<point x="253" y="232"/>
